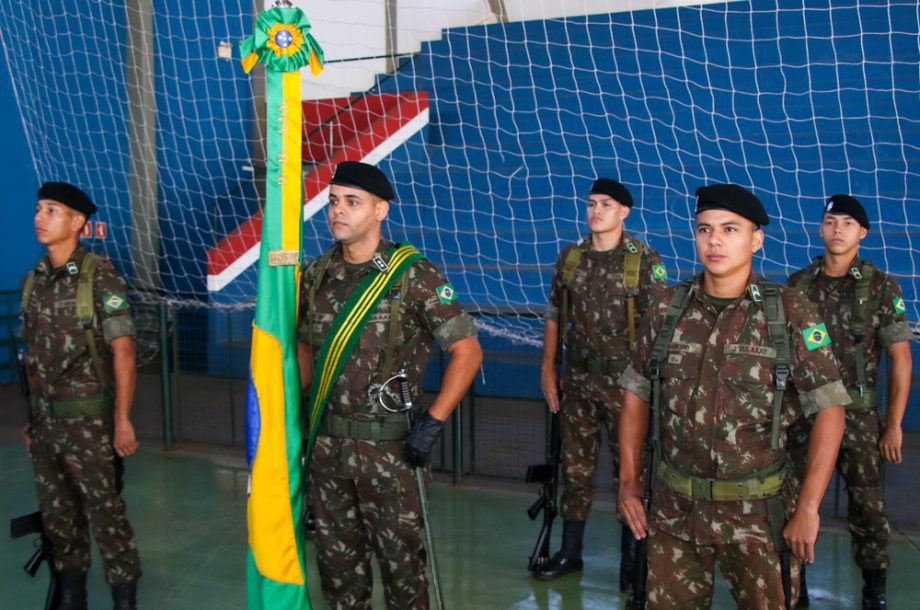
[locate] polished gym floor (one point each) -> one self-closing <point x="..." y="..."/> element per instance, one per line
<point x="188" y="510"/>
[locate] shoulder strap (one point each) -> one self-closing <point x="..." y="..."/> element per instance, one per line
<point x="27" y="288"/>
<point x="776" y="327"/>
<point x="676" y="308"/>
<point x="803" y="284"/>
<point x="86" y="312"/>
<point x="321" y="266"/>
<point x="631" y="265"/>
<point x="862" y="296"/>
<point x="568" y="274"/>
<point x="397" y="296"/>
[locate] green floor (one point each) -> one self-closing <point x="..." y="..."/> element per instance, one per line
<point x="188" y="511"/>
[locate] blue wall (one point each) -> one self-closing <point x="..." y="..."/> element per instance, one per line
<point x="18" y="184"/>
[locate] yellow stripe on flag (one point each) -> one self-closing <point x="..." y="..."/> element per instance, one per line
<point x="290" y="170"/>
<point x="271" y="524"/>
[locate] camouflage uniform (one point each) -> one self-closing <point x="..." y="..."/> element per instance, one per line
<point x="716" y="406"/>
<point x="598" y="348"/>
<point x="859" y="459"/>
<point x="74" y="460"/>
<point x="363" y="493"/>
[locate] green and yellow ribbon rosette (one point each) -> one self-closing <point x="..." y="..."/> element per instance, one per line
<point x="283" y="42"/>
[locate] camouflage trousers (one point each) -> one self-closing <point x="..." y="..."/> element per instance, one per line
<point x="588" y="410"/>
<point x="681" y="574"/>
<point x="365" y="498"/>
<point x="859" y="464"/>
<point x="76" y="479"/>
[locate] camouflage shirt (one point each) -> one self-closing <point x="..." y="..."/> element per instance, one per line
<point x="58" y="359"/>
<point x="427" y="312"/>
<point x="885" y="326"/>
<point x="716" y="403"/>
<point x="598" y="326"/>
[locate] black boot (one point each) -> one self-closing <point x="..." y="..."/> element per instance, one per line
<point x="873" y="593"/>
<point x="125" y="595"/>
<point x="71" y="590"/>
<point x="629" y="549"/>
<point x="568" y="559"/>
<point x="803" y="601"/>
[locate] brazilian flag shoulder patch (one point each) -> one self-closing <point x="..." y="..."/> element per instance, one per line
<point x="446" y="293"/>
<point x="114" y="301"/>
<point x="659" y="272"/>
<point x="816" y="336"/>
<point x="898" y="304"/>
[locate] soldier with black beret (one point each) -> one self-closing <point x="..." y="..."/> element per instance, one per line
<point x="391" y="304"/>
<point x="602" y="286"/>
<point x="864" y="311"/>
<point x="80" y="362"/>
<point x="719" y="350"/>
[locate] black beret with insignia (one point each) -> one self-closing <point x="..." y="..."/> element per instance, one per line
<point x="733" y="198"/>
<point x="365" y="177"/>
<point x="845" y="204"/>
<point x="69" y="195"/>
<point x="612" y="188"/>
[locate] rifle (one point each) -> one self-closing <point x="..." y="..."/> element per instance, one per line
<point x="548" y="474"/>
<point x="639" y="594"/>
<point x="31" y="523"/>
<point x="548" y="501"/>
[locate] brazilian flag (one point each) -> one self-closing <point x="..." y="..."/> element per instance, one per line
<point x="276" y="575"/>
<point x="816" y="336"/>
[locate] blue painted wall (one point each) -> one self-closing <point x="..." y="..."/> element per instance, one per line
<point x="18" y="184"/>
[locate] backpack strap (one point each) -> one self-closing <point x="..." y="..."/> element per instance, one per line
<point x="397" y="295"/>
<point x="779" y="338"/>
<point x="27" y="286"/>
<point x="322" y="265"/>
<point x="861" y="300"/>
<point x="659" y="353"/>
<point x="631" y="265"/>
<point x="86" y="313"/>
<point x="568" y="274"/>
<point x="803" y="284"/>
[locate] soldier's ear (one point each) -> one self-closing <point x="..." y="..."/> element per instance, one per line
<point x="77" y="221"/>
<point x="757" y="242"/>
<point x="863" y="231"/>
<point x="381" y="209"/>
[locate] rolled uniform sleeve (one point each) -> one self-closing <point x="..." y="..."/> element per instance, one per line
<point x="892" y="321"/>
<point x="437" y="309"/>
<point x="112" y="306"/>
<point x="815" y="370"/>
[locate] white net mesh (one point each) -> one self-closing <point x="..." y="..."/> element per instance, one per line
<point x="491" y="133"/>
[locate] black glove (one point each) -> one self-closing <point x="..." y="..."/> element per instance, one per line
<point x="421" y="439"/>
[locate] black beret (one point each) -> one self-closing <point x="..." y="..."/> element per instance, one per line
<point x="733" y="198"/>
<point x="844" y="204"/>
<point x="612" y="188"/>
<point x="69" y="195"/>
<point x="365" y="177"/>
